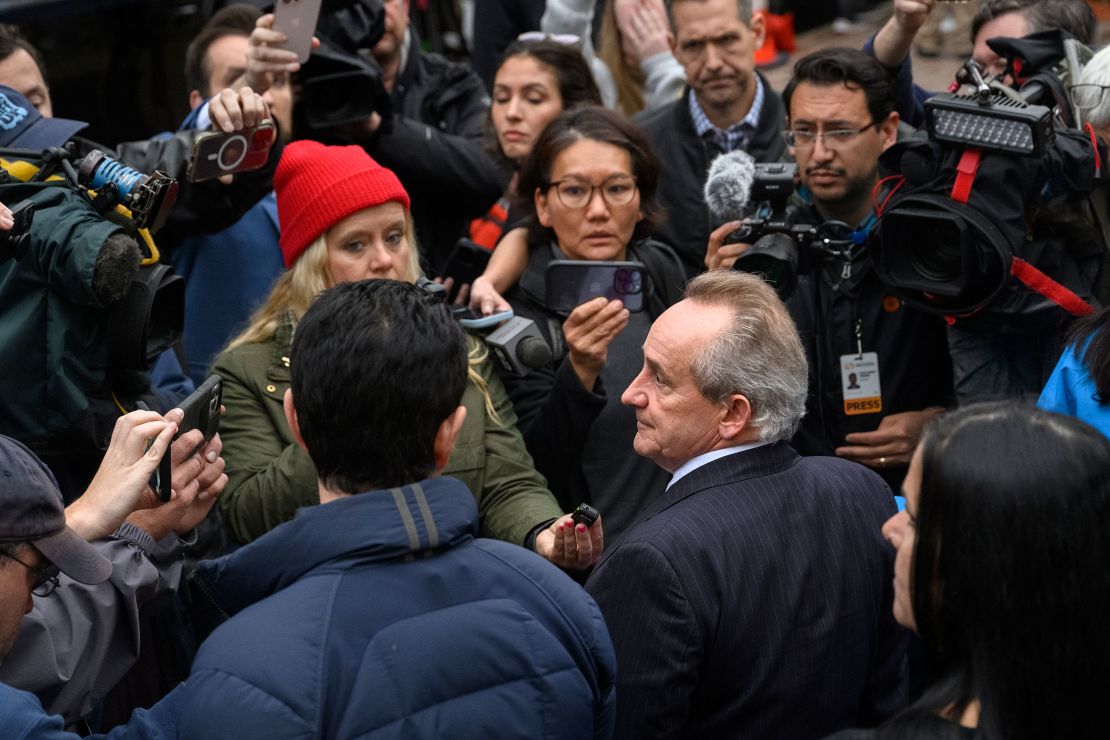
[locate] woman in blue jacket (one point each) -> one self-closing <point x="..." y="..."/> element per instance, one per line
<point x="1080" y="384"/>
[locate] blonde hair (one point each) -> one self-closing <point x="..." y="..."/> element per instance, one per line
<point x="628" y="78"/>
<point x="308" y="277"/>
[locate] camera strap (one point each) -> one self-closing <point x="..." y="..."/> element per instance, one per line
<point x="965" y="174"/>
<point x="1024" y="271"/>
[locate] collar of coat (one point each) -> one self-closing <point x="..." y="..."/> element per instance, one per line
<point x="400" y="524"/>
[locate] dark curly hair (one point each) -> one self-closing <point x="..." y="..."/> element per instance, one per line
<point x="852" y="68"/>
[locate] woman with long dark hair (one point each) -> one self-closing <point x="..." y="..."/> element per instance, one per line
<point x="537" y="80"/>
<point x="1003" y="569"/>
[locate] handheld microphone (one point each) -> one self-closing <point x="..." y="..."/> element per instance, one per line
<point x="729" y="186"/>
<point x="518" y="346"/>
<point x="517" y="343"/>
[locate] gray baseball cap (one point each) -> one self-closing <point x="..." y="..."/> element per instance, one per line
<point x="31" y="510"/>
<point x="23" y="127"/>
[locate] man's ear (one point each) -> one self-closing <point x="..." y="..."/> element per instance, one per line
<point x="446" y="435"/>
<point x="735" y="423"/>
<point x="291" y="417"/>
<point x="888" y="130"/>
<point x="541" y="209"/>
<point x="195" y="99"/>
<point x="759" y="28"/>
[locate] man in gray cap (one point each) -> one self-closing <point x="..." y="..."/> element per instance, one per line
<point x="77" y="632"/>
<point x="34" y="535"/>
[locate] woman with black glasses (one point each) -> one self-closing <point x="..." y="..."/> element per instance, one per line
<point x="591" y="178"/>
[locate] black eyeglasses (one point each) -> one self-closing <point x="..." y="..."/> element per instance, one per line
<point x="46" y="577"/>
<point x="1085" y="97"/>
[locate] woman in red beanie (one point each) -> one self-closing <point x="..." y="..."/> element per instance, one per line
<point x="344" y="217"/>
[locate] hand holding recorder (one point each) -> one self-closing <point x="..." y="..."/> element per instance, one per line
<point x="574" y="541"/>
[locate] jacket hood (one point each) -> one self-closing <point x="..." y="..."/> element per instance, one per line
<point x="375" y="526"/>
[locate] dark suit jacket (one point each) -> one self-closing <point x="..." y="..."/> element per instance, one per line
<point x="753" y="600"/>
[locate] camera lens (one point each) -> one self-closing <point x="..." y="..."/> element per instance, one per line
<point x="935" y="252"/>
<point x="774" y="257"/>
<point x="627" y="282"/>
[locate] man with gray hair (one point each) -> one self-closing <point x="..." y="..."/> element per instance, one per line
<point x="1089" y="96"/>
<point x="728" y="106"/>
<point x="753" y="598"/>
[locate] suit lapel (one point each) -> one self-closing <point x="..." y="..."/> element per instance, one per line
<point x="730" y="469"/>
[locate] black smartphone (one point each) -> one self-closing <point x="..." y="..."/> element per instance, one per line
<point x="217" y="153"/>
<point x="585" y="514"/>
<point x="202" y="411"/>
<point x="465" y="263"/>
<point x="570" y="283"/>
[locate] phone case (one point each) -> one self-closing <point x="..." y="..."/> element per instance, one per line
<point x="570" y="283"/>
<point x="465" y="263"/>
<point x="202" y="411"/>
<point x="297" y="20"/>
<point x="218" y="153"/>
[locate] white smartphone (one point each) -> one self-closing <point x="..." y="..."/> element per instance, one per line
<point x="297" y="20"/>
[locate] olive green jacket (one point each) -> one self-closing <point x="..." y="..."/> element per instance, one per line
<point x="270" y="476"/>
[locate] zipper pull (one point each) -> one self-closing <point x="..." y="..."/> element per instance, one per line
<point x="846" y="271"/>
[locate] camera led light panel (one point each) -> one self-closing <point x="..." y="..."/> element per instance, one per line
<point x="1003" y="125"/>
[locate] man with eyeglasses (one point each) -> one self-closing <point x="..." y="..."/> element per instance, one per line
<point x="855" y="330"/>
<point x="727" y="106"/>
<point x="73" y="580"/>
<point x="1091" y="96"/>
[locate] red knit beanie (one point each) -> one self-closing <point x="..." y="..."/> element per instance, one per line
<point x="317" y="186"/>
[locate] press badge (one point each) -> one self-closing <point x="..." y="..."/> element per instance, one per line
<point x="859" y="377"/>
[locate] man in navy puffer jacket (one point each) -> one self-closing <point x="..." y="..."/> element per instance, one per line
<point x="379" y="613"/>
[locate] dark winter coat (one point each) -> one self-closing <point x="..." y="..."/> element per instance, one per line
<point x="381" y="616"/>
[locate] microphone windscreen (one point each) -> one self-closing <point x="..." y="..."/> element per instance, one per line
<point x="729" y="185"/>
<point x="533" y="352"/>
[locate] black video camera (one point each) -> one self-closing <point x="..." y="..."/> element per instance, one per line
<point x="341" y="82"/>
<point x="149" y="318"/>
<point x="957" y="218"/>
<point x="782" y="244"/>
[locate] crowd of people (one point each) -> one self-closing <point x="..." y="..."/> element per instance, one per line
<point x="767" y="492"/>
